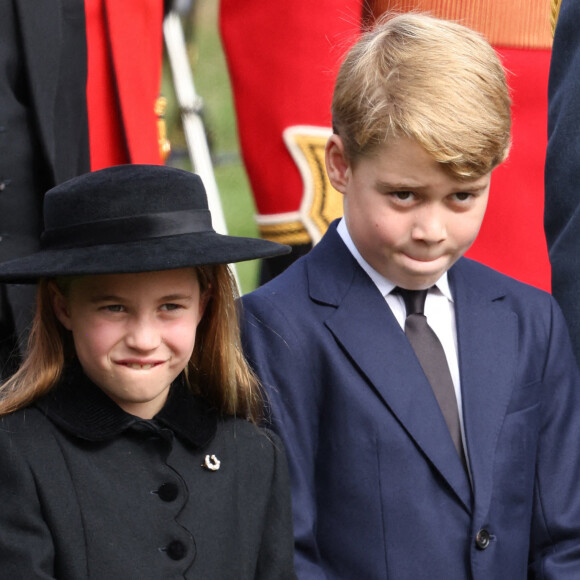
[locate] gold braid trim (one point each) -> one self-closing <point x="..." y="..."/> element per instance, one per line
<point x="554" y="13"/>
<point x="162" y="140"/>
<point x="507" y="23"/>
<point x="291" y="233"/>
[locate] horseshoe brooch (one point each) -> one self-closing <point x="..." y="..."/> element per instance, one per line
<point x="211" y="463"/>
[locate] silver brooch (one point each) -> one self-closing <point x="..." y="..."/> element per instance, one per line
<point x="211" y="462"/>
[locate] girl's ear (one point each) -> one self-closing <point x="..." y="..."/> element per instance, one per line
<point x="204" y="300"/>
<point x="337" y="165"/>
<point x="59" y="305"/>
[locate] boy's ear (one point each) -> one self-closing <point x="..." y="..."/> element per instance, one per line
<point x="59" y="305"/>
<point x="337" y="165"/>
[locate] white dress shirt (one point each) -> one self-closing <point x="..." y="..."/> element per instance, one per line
<point x="439" y="311"/>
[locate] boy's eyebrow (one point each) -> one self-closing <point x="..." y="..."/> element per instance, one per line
<point x="398" y="185"/>
<point x="402" y="185"/>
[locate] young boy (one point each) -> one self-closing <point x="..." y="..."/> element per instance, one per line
<point x="400" y="470"/>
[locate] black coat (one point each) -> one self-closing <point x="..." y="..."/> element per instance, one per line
<point x="88" y="491"/>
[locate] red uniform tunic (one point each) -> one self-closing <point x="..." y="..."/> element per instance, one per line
<point x="283" y="64"/>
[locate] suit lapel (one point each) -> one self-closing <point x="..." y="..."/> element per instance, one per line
<point x="366" y="328"/>
<point x="487" y="336"/>
<point x="41" y="38"/>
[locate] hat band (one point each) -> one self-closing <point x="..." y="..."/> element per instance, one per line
<point x="131" y="229"/>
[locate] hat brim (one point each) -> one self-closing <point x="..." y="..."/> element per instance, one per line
<point x="167" y="253"/>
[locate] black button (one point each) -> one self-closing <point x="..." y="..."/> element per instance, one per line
<point x="482" y="539"/>
<point x="168" y="491"/>
<point x="176" y="550"/>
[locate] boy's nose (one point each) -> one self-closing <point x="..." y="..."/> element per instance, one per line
<point x="429" y="227"/>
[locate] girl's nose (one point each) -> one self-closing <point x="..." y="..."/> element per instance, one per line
<point x="143" y="335"/>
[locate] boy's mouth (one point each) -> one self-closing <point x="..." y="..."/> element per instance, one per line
<point x="424" y="258"/>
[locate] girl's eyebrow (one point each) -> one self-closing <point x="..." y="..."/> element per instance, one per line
<point x="172" y="297"/>
<point x="115" y="298"/>
<point x="105" y="298"/>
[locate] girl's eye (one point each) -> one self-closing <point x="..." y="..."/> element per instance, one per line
<point x="171" y="307"/>
<point x="114" y="308"/>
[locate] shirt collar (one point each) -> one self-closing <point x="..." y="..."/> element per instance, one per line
<point x="81" y="408"/>
<point x="384" y="285"/>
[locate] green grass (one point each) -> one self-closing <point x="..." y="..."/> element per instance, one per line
<point x="212" y="84"/>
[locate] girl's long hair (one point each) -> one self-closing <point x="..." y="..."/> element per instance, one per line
<point x="217" y="369"/>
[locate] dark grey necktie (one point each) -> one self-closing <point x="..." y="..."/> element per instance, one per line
<point x="431" y="355"/>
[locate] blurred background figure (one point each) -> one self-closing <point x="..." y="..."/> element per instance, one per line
<point x="125" y="55"/>
<point x="43" y="135"/>
<point x="562" y="215"/>
<point x="282" y="65"/>
<point x="80" y="90"/>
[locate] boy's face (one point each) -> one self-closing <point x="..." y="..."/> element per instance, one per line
<point x="409" y="219"/>
<point x="133" y="333"/>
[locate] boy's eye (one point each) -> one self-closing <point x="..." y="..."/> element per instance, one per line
<point x="463" y="196"/>
<point x="403" y="195"/>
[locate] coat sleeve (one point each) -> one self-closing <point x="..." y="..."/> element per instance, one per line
<point x="26" y="545"/>
<point x="562" y="172"/>
<point x="555" y="537"/>
<point x="275" y="561"/>
<point x="278" y="353"/>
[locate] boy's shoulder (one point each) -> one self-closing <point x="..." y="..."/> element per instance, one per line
<point x="329" y="264"/>
<point x="473" y="281"/>
<point x="491" y="281"/>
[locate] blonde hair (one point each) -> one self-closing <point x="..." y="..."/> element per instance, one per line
<point x="431" y="80"/>
<point x="217" y="369"/>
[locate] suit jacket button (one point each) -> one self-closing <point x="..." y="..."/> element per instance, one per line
<point x="482" y="539"/>
<point x="168" y="491"/>
<point x="176" y="550"/>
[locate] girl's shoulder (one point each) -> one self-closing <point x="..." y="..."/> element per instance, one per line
<point x="248" y="441"/>
<point x="245" y="431"/>
<point x="27" y="432"/>
<point x="23" y="422"/>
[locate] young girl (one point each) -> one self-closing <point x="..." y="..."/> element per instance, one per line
<point x="120" y="452"/>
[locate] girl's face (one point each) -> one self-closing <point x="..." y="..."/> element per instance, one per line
<point x="133" y="333"/>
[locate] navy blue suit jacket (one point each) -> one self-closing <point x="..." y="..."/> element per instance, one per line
<point x="378" y="488"/>
<point x="562" y="207"/>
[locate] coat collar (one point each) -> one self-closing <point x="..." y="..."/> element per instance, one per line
<point x="80" y="408"/>
<point x="487" y="337"/>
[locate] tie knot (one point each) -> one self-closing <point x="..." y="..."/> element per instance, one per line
<point x="414" y="300"/>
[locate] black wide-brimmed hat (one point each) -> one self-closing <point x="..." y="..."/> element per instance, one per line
<point x="130" y="218"/>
